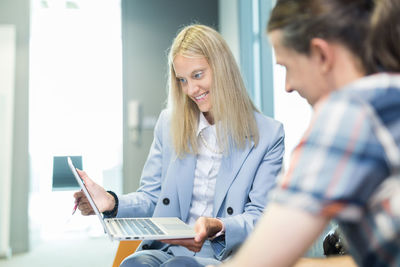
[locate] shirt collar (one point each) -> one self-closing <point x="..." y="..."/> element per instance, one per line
<point x="203" y="123"/>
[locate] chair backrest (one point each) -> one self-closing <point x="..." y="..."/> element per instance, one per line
<point x="125" y="248"/>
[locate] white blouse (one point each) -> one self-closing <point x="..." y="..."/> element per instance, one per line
<point x="205" y="175"/>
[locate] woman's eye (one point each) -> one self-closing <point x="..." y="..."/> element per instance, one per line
<point x="182" y="80"/>
<point x="198" y="75"/>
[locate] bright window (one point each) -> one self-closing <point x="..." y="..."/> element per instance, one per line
<point x="264" y="79"/>
<point x="75" y="101"/>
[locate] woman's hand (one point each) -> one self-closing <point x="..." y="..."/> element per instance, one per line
<point x="103" y="200"/>
<point x="205" y="227"/>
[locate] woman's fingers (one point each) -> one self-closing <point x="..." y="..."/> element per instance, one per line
<point x="189" y="243"/>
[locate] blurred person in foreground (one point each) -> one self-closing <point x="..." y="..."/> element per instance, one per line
<point x="343" y="57"/>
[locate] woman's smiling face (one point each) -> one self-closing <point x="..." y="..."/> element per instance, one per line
<point x="195" y="77"/>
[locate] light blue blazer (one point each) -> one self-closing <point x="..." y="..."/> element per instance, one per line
<point x="244" y="180"/>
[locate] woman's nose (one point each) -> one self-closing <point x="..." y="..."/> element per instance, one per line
<point x="192" y="87"/>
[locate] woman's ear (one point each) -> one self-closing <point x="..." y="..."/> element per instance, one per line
<point x="323" y="53"/>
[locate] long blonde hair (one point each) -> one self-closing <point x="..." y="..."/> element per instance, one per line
<point x="232" y="108"/>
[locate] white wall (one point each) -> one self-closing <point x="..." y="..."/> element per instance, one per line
<point x="7" y="68"/>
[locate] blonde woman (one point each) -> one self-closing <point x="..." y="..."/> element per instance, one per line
<point x="213" y="160"/>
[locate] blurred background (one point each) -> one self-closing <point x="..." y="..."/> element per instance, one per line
<point x="87" y="78"/>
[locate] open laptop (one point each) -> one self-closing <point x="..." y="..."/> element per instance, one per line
<point x="137" y="228"/>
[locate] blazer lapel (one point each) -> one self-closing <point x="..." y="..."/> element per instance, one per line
<point x="230" y="166"/>
<point x="184" y="179"/>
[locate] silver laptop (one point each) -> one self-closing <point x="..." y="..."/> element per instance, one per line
<point x="137" y="228"/>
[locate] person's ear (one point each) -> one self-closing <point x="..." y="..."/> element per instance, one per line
<point x="323" y="53"/>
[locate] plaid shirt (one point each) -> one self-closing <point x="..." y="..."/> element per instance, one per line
<point x="347" y="166"/>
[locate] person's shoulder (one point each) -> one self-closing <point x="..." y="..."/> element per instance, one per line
<point x="165" y="116"/>
<point x="269" y="129"/>
<point x="374" y="83"/>
<point x="165" y="113"/>
<point x="266" y="122"/>
<point x="380" y="80"/>
<point x="378" y="91"/>
<point x="163" y="121"/>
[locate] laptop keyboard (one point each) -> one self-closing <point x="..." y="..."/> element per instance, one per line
<point x="136" y="226"/>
